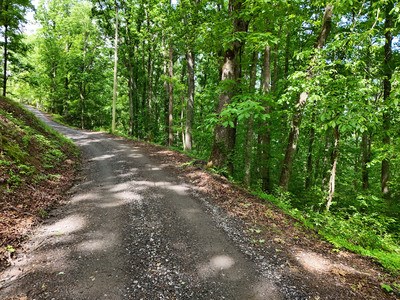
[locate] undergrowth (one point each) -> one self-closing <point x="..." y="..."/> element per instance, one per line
<point x="361" y="228"/>
<point x="28" y="147"/>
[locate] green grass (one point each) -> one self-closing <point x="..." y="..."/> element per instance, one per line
<point x="28" y="147"/>
<point x="371" y="234"/>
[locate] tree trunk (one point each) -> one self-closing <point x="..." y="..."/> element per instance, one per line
<point x="114" y="102"/>
<point x="325" y="160"/>
<point x="166" y="88"/>
<point x="130" y="96"/>
<point x="82" y="99"/>
<point x="248" y="144"/>
<point x="190" y="102"/>
<point x="311" y="139"/>
<point x="129" y="67"/>
<point x="143" y="102"/>
<point x="183" y="105"/>
<point x="297" y="116"/>
<point x="366" y="158"/>
<point x="224" y="137"/>
<point x="265" y="137"/>
<point x="388" y="70"/>
<point x="170" y="97"/>
<point x="332" y="179"/>
<point x="149" y="94"/>
<point x="135" y="95"/>
<point x="276" y="65"/>
<point x="82" y="85"/>
<point x="5" y="57"/>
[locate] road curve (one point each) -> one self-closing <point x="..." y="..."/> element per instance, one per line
<point x="132" y="230"/>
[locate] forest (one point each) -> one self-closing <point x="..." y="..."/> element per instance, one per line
<point x="297" y="101"/>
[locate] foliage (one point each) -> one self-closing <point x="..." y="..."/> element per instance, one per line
<point x="23" y="136"/>
<point x="12" y="17"/>
<point x="371" y="234"/>
<point x="341" y="136"/>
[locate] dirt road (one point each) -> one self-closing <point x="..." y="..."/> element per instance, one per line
<point x="132" y="230"/>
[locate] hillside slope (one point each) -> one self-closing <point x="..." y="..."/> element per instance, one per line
<point x="36" y="165"/>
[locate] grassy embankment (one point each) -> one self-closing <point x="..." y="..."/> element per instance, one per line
<point x="36" y="166"/>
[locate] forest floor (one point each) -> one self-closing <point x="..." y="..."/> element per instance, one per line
<point x="144" y="222"/>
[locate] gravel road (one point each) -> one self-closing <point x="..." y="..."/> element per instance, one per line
<point x="133" y="230"/>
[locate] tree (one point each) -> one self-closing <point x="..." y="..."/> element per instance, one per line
<point x="224" y="136"/>
<point x="71" y="63"/>
<point x="12" y="17"/>
<point x="301" y="102"/>
<point x="284" y="93"/>
<point x="115" y="88"/>
<point x="387" y="73"/>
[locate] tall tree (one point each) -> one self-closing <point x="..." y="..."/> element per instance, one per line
<point x="224" y="136"/>
<point x="115" y="87"/>
<point x="301" y="102"/>
<point x="12" y="17"/>
<point x="190" y="103"/>
<point x="265" y="135"/>
<point x="387" y="73"/>
<point x="170" y="95"/>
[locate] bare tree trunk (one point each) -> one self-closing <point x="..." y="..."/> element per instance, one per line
<point x="183" y="127"/>
<point x="5" y="57"/>
<point x="82" y="97"/>
<point x="265" y="138"/>
<point x="114" y="102"/>
<point x="325" y="160"/>
<point x="248" y="144"/>
<point x="130" y="96"/>
<point x="170" y="97"/>
<point x="82" y="85"/>
<point x="366" y="158"/>
<point x="135" y="95"/>
<point x="190" y="102"/>
<point x="387" y="68"/>
<point x="143" y="102"/>
<point x="276" y="65"/>
<point x="311" y="139"/>
<point x="183" y="105"/>
<point x="166" y="87"/>
<point x="332" y="179"/>
<point x="297" y="116"/>
<point x="150" y="95"/>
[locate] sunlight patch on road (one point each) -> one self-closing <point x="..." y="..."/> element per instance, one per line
<point x="179" y="189"/>
<point x="120" y="187"/>
<point x="48" y="261"/>
<point x="153" y="168"/>
<point x="135" y="155"/>
<point x="67" y="225"/>
<point x="191" y="213"/>
<point x="96" y="244"/>
<point x="215" y="266"/>
<point x="266" y="290"/>
<point x="84" y="197"/>
<point x="102" y="157"/>
<point x="120" y="199"/>
<point x="88" y="141"/>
